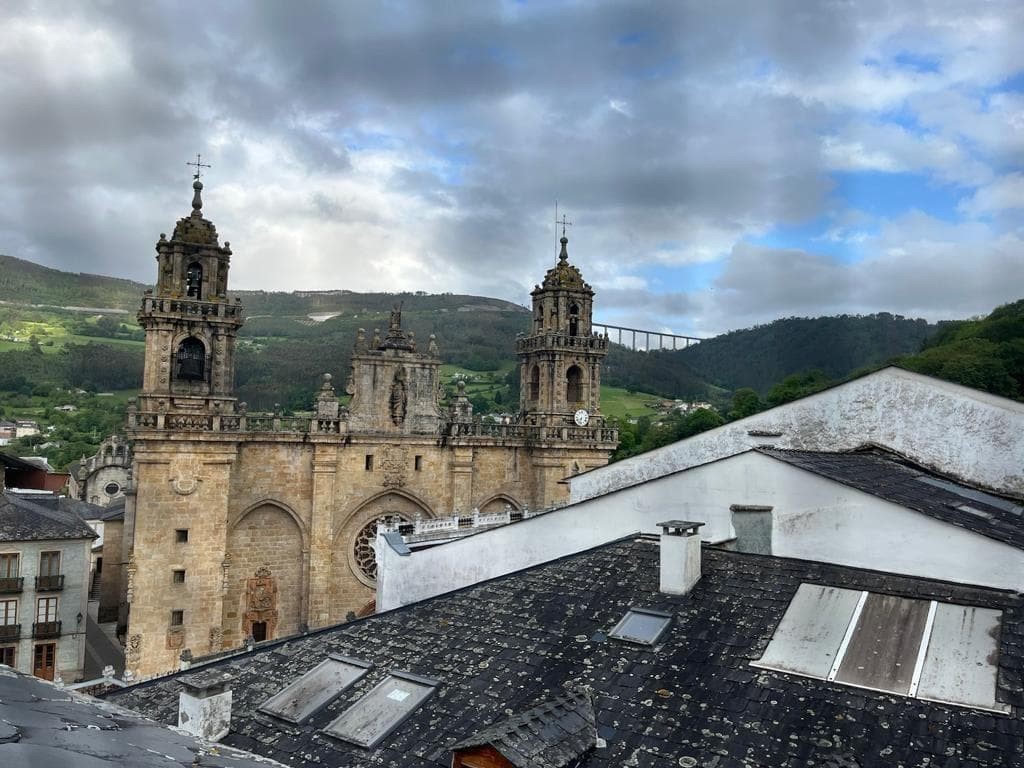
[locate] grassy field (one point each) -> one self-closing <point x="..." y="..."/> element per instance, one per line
<point x="622" y="404"/>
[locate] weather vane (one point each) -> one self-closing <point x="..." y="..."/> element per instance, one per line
<point x="199" y="165"/>
<point x="563" y="222"/>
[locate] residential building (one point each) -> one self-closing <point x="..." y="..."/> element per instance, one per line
<point x="44" y="588"/>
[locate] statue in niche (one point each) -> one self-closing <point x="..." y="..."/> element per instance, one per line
<point x="398" y="401"/>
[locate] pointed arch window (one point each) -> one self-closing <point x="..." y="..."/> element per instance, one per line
<point x="191" y="360"/>
<point x="194" y="281"/>
<point x="574" y="384"/>
<point x="574" y="320"/>
<point x="535" y="383"/>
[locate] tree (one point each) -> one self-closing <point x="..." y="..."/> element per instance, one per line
<point x="745" y="402"/>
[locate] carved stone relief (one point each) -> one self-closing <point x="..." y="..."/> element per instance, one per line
<point x="260" y="602"/>
<point x="393" y="465"/>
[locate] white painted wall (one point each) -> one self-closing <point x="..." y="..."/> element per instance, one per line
<point x="960" y="431"/>
<point x="813" y="518"/>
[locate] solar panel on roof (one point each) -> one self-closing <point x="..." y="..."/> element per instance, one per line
<point x="958" y="666"/>
<point x="807" y="639"/>
<point x="642" y="626"/>
<point x="382" y="710"/>
<point x="931" y="650"/>
<point x="331" y="677"/>
<point x="883" y="648"/>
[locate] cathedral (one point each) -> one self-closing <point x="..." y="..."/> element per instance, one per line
<point x="250" y="525"/>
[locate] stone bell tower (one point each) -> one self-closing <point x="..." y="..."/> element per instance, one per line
<point x="560" y="360"/>
<point x="190" y="324"/>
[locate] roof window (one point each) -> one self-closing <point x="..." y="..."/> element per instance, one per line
<point x="642" y="626"/>
<point x="296" y="702"/>
<point x="382" y="710"/>
<point x="972" y="494"/>
<point x="920" y="648"/>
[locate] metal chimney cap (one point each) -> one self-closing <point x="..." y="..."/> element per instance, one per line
<point x="679" y="527"/>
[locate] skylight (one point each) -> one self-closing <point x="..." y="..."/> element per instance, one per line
<point x="969" y="493"/>
<point x="642" y="626"/>
<point x="382" y="710"/>
<point x="321" y="684"/>
<point x="922" y="648"/>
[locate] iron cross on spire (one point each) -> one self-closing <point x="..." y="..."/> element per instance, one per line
<point x="198" y="165"/>
<point x="563" y="222"/>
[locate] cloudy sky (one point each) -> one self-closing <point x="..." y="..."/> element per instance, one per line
<point x="723" y="163"/>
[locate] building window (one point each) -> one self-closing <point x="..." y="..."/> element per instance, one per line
<point x="573" y="384"/>
<point x="9" y="565"/>
<point x="46" y="610"/>
<point x="178" y="577"/>
<point x="418" y="463"/>
<point x="8" y="612"/>
<point x="177" y="618"/>
<point x="181" y="535"/>
<point x="368" y="463"/>
<point x="194" y="281"/>
<point x="535" y="382"/>
<point x="191" y="360"/>
<point x="112" y="489"/>
<point x="49" y="563"/>
<point x="574" y="320"/>
<point x="7" y="655"/>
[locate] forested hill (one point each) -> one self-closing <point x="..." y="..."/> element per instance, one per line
<point x="985" y="354"/>
<point x="760" y="357"/>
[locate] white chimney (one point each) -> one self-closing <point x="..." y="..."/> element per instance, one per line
<point x="680" y="556"/>
<point x="204" y="706"/>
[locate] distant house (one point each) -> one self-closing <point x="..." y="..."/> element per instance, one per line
<point x="25" y="428"/>
<point x="66" y="408"/>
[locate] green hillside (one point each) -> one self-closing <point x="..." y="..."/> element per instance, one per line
<point x="985" y="354"/>
<point x="760" y="357"/>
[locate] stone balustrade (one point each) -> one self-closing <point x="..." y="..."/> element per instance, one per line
<point x="268" y="423"/>
<point x="561" y="341"/>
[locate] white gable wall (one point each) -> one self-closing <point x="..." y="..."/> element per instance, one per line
<point x="957" y="430"/>
<point x="813" y="518"/>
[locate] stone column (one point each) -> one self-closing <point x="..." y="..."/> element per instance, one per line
<point x="321" y="535"/>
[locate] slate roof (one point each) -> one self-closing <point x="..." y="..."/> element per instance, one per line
<point x="83" y="510"/>
<point x="42" y="725"/>
<point x="24" y="520"/>
<point x="903" y="482"/>
<point x="551" y="735"/>
<point x="503" y="646"/>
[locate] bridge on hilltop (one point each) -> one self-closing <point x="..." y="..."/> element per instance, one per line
<point x="639" y="340"/>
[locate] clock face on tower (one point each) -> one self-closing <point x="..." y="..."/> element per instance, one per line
<point x="582" y="417"/>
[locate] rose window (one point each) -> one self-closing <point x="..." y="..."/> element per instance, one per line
<point x="363" y="547"/>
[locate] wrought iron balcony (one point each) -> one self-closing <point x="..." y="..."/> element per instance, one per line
<point x="42" y="629"/>
<point x="11" y="584"/>
<point x="50" y="583"/>
<point x="10" y="631"/>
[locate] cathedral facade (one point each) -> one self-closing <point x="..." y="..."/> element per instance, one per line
<point x="241" y="525"/>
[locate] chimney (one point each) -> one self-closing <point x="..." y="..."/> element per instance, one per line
<point x="204" y="706"/>
<point x="680" y="556"/>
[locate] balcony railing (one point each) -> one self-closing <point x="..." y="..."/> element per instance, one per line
<point x="10" y="631"/>
<point x="11" y="584"/>
<point x="41" y="629"/>
<point x="50" y="583"/>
